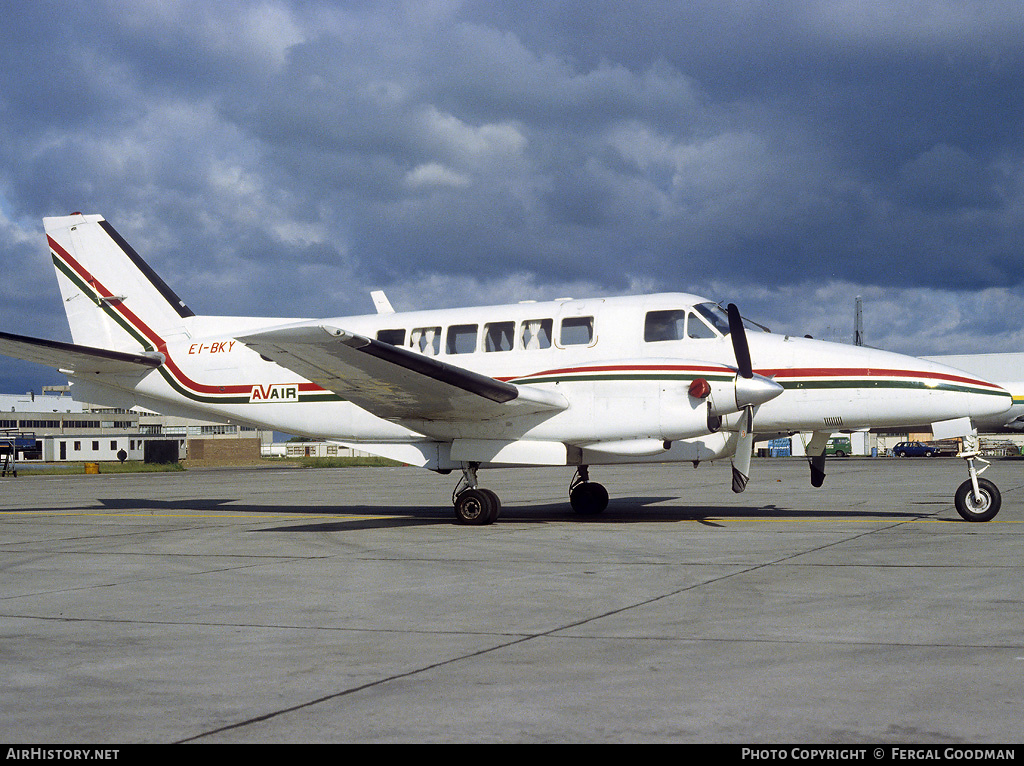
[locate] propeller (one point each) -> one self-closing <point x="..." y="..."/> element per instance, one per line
<point x="751" y="390"/>
<point x="739" y="342"/>
<point x="744" y="451"/>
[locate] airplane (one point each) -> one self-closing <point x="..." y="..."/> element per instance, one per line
<point x="577" y="383"/>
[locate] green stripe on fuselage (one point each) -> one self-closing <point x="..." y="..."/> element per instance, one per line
<point x="797" y="385"/>
<point x="604" y="376"/>
<point x="789" y="385"/>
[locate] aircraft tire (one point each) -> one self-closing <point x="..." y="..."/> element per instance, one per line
<point x="495" y="503"/>
<point x="969" y="510"/>
<point x="588" y="498"/>
<point x="476" y="507"/>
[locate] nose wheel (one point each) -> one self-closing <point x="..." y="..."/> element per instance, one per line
<point x="982" y="505"/>
<point x="587" y="498"/>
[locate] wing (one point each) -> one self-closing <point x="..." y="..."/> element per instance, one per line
<point x="74" y="358"/>
<point x="395" y="383"/>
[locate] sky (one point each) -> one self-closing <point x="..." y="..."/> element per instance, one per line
<point x="286" y="158"/>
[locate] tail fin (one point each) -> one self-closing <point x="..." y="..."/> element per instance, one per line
<point x="112" y="297"/>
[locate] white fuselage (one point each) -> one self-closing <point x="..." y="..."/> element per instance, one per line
<point x="626" y="382"/>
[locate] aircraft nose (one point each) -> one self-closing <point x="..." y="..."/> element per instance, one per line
<point x="990" y="400"/>
<point x="981" y="397"/>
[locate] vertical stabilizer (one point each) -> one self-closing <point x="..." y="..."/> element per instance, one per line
<point x="112" y="297"/>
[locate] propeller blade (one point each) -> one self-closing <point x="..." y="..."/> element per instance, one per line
<point x="744" y="452"/>
<point x="739" y="342"/>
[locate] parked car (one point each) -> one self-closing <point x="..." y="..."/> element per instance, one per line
<point x="915" y="449"/>
<point x="838" y="446"/>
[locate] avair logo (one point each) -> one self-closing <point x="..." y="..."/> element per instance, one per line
<point x="270" y="393"/>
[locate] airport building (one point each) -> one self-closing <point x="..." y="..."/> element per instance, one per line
<point x="53" y="427"/>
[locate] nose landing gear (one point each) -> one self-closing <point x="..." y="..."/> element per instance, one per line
<point x="976" y="499"/>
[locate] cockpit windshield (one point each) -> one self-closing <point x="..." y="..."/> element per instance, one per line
<point x="719" y="319"/>
<point x="713" y="313"/>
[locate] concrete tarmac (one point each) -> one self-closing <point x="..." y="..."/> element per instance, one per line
<point x="345" y="605"/>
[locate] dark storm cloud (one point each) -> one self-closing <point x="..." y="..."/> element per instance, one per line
<point x="287" y="157"/>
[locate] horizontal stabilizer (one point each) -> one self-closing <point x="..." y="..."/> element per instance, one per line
<point x="77" y="359"/>
<point x="392" y="382"/>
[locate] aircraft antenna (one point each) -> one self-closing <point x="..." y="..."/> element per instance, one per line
<point x="858" y="323"/>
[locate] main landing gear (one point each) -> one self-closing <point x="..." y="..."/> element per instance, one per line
<point x="976" y="499"/>
<point x="473" y="504"/>
<point x="478" y="506"/>
<point x="587" y="498"/>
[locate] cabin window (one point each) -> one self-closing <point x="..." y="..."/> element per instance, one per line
<point x="536" y="333"/>
<point x="392" y="337"/>
<point x="461" y="339"/>
<point x="696" y="328"/>
<point x="664" y="325"/>
<point x="499" y="336"/>
<point x="577" y="331"/>
<point x="426" y="340"/>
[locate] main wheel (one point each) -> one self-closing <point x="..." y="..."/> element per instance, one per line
<point x="983" y="509"/>
<point x="476" y="507"/>
<point x="588" y="498"/>
<point x="495" y="502"/>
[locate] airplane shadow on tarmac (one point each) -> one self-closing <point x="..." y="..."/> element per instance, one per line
<point x="623" y="510"/>
<point x="629" y="510"/>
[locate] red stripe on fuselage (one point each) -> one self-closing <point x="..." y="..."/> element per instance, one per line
<point x="796" y="372"/>
<point x="869" y="372"/>
<point x="626" y="368"/>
